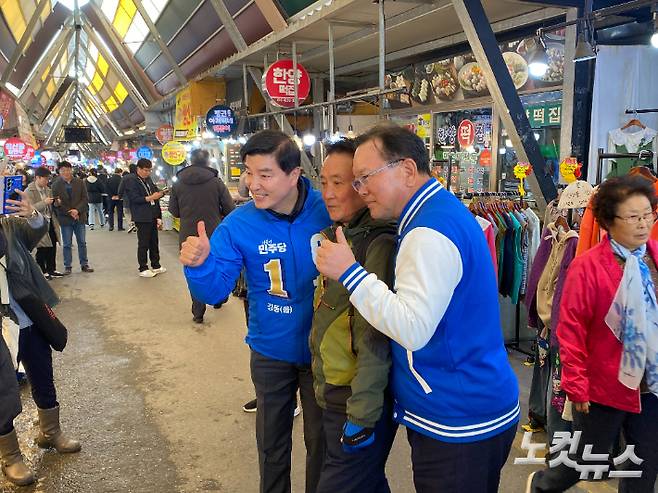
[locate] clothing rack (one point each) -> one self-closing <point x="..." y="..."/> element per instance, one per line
<point x="642" y="155"/>
<point x="515" y="343"/>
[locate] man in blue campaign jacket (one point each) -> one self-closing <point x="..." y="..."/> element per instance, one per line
<point x="454" y="388"/>
<point x="271" y="238"/>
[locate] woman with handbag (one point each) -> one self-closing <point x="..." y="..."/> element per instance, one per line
<point x="29" y="298"/>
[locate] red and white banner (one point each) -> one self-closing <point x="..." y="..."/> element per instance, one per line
<point x="15" y="148"/>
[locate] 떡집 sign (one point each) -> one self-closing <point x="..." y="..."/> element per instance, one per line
<point x="15" y="148"/>
<point x="544" y="115"/>
<point x="279" y="83"/>
<point x="221" y="121"/>
<point x="173" y="152"/>
<point x="144" y="152"/>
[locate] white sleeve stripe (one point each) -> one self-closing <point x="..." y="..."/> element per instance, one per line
<point x="351" y="286"/>
<point x="349" y="278"/>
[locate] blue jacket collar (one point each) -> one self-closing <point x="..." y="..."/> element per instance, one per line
<point x="429" y="189"/>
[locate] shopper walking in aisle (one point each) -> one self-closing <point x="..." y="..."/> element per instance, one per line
<point x="454" y="388"/>
<point x="199" y="194"/>
<point x="114" y="200"/>
<point x="351" y="360"/>
<point x="101" y="174"/>
<point x="95" y="191"/>
<point x="132" y="170"/>
<point x="144" y="199"/>
<point x="608" y="334"/>
<point x="41" y="196"/>
<point x="271" y="238"/>
<point x="71" y="207"/>
<point x="27" y="288"/>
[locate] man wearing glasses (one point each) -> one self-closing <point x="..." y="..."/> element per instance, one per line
<point x="454" y="388"/>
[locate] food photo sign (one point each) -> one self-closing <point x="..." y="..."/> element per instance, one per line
<point x="461" y="77"/>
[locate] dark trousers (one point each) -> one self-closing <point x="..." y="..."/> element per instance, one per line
<point x="198" y="308"/>
<point x="147" y="245"/>
<point x="600" y="428"/>
<point x="37" y="358"/>
<point x="46" y="256"/>
<point x="458" y="467"/>
<point x="276" y="384"/>
<point x="118" y="205"/>
<point x="362" y="471"/>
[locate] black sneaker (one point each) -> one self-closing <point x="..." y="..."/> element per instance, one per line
<point x="220" y="304"/>
<point x="86" y="268"/>
<point x="250" y="407"/>
<point x="198" y="320"/>
<point x="68" y="271"/>
<point x="48" y="277"/>
<point x="56" y="273"/>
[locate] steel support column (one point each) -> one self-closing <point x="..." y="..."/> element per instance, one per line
<point x="332" y="80"/>
<point x="568" y="87"/>
<point x="483" y="42"/>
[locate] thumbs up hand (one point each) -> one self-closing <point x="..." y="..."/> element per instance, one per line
<point x="333" y="259"/>
<point x="195" y="249"/>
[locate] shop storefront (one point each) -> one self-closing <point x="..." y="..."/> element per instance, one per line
<point x="468" y="145"/>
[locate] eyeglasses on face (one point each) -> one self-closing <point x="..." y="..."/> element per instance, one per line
<point x="359" y="183"/>
<point x="634" y="220"/>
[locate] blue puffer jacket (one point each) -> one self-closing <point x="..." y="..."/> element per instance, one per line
<point x="280" y="273"/>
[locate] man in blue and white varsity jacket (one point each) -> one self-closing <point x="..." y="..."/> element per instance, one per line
<point x="271" y="238"/>
<point x="454" y="388"/>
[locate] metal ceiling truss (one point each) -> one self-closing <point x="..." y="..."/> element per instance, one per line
<point x="161" y="43"/>
<point x="229" y="23"/>
<point x="98" y="110"/>
<point x="90" y="121"/>
<point x="57" y="47"/>
<point x="97" y="68"/>
<point x="452" y="40"/>
<point x="51" y="75"/>
<point x="272" y="15"/>
<point x="25" y="38"/>
<point x="138" y="99"/>
<point x="145" y="84"/>
<point x="55" y="92"/>
<point x="67" y="104"/>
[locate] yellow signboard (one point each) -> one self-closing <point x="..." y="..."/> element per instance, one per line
<point x="185" y="122"/>
<point x="173" y="152"/>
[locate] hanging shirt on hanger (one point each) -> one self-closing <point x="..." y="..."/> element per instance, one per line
<point x="629" y="141"/>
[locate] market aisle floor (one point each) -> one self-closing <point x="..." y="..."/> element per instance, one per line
<point x="155" y="398"/>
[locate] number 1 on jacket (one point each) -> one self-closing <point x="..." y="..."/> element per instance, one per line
<point x="273" y="269"/>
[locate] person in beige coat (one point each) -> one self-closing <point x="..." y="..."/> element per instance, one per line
<point x="41" y="196"/>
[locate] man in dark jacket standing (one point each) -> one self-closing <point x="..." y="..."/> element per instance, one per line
<point x="70" y="196"/>
<point x="114" y="200"/>
<point x="199" y="195"/>
<point x="144" y="199"/>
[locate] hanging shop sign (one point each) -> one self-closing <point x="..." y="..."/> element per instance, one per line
<point x="164" y="133"/>
<point x="544" y="115"/>
<point x="29" y="152"/>
<point x="173" y="153"/>
<point x="424" y="126"/>
<point x="144" y="152"/>
<point x="15" y="148"/>
<point x="185" y="122"/>
<point x="221" y="121"/>
<point x="279" y="83"/>
<point x="466" y="134"/>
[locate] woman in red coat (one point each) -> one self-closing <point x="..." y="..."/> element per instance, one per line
<point x="608" y="334"/>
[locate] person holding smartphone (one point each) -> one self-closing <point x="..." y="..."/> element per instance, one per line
<point x="144" y="198"/>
